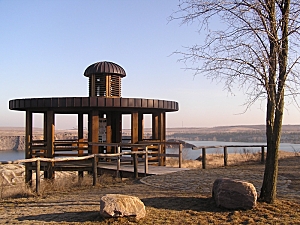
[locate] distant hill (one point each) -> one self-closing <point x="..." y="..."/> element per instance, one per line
<point x="241" y="133"/>
<point x="13" y="137"/>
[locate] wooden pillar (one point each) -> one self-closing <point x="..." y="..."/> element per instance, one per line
<point x="134" y="127"/>
<point x="45" y="142"/>
<point x="162" y="127"/>
<point x="94" y="130"/>
<point x="134" y="138"/>
<point x="28" y="151"/>
<point x="80" y="139"/>
<point x="162" y="136"/>
<point x="108" y="131"/>
<point x="141" y="126"/>
<point x="50" y="125"/>
<point x="154" y="126"/>
<point x="80" y="125"/>
<point x="116" y="129"/>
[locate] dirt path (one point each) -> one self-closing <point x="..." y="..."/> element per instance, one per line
<point x="80" y="205"/>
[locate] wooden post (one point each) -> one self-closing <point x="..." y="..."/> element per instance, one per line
<point x="50" y="144"/>
<point x="160" y="161"/>
<point x="162" y="135"/>
<point x="95" y="175"/>
<point x="135" y="165"/>
<point x="262" y="160"/>
<point x="134" y="128"/>
<point x="146" y="161"/>
<point x="225" y="156"/>
<point x="203" y="158"/>
<point x="38" y="179"/>
<point x="94" y="130"/>
<point x="180" y="155"/>
<point x="154" y="126"/>
<point x="80" y="139"/>
<point x="108" y="133"/>
<point x="28" y="152"/>
<point x="141" y="126"/>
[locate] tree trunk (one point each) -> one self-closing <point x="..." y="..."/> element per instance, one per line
<point x="275" y="107"/>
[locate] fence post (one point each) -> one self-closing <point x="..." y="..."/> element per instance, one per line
<point x="95" y="170"/>
<point x="203" y="158"/>
<point x="119" y="161"/>
<point x="225" y="156"/>
<point x="38" y="178"/>
<point x="180" y="155"/>
<point x="262" y="160"/>
<point x="146" y="161"/>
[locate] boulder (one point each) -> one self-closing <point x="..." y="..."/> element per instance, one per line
<point x="117" y="205"/>
<point x="234" y="194"/>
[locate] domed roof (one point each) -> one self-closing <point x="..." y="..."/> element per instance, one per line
<point x="105" y="68"/>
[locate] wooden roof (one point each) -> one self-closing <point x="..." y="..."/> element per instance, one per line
<point x="105" y="68"/>
<point x="86" y="104"/>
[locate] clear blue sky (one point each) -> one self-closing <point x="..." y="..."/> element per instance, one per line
<point x="45" y="46"/>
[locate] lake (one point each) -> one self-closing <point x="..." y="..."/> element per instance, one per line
<point x="188" y="153"/>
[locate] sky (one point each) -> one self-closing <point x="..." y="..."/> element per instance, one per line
<point x="45" y="46"/>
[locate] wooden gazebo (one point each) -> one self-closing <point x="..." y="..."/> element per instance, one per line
<point x="104" y="108"/>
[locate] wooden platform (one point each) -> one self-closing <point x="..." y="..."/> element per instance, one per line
<point x="126" y="169"/>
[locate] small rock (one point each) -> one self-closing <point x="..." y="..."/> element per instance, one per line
<point x="117" y="205"/>
<point x="234" y="194"/>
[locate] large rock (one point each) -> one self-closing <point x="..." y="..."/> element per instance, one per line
<point x="234" y="194"/>
<point x="116" y="205"/>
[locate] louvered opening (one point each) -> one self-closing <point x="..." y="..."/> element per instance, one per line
<point x="100" y="85"/>
<point x="115" y="86"/>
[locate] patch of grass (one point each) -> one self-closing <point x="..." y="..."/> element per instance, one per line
<point x="14" y="190"/>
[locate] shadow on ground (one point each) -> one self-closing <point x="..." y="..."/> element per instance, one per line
<point x="199" y="204"/>
<point x="65" y="217"/>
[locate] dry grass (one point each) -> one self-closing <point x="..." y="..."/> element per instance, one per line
<point x="67" y="201"/>
<point x="14" y="191"/>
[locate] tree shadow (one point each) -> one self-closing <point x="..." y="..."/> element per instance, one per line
<point x="199" y="204"/>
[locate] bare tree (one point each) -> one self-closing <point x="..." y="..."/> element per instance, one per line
<point x="255" y="46"/>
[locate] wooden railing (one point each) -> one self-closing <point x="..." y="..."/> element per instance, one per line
<point x="262" y="159"/>
<point x="142" y="150"/>
<point x="159" y="152"/>
<point x="95" y="158"/>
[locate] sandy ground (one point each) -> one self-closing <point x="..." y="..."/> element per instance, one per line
<point x="67" y="202"/>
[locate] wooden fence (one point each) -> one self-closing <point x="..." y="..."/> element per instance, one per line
<point x="226" y="152"/>
<point x="95" y="158"/>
